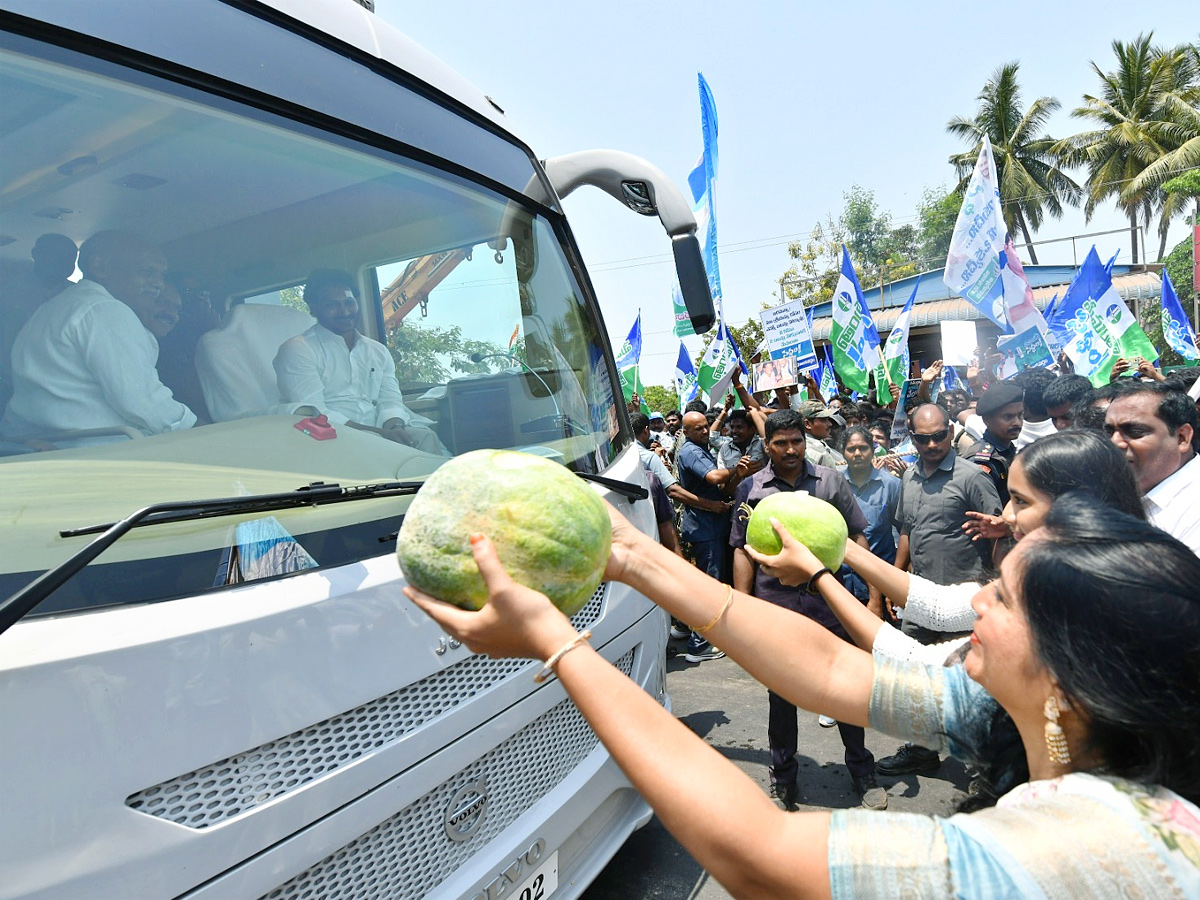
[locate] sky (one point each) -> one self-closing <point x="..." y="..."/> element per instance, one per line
<point x="812" y="99"/>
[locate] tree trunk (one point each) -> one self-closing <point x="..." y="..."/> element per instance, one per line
<point x="1025" y="231"/>
<point x="1133" y="236"/>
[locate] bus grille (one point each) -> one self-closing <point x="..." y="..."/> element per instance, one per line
<point x="409" y="854"/>
<point x="234" y="785"/>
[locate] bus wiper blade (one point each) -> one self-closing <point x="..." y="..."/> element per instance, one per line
<point x="23" y="601"/>
<point x="632" y="491"/>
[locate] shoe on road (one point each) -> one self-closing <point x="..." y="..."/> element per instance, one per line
<point x="704" y="652"/>
<point x="826" y="721"/>
<point x="785" y="795"/>
<point x="679" y="632"/>
<point x="909" y="760"/>
<point x="872" y="795"/>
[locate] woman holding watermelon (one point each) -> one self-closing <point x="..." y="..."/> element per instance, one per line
<point x="1079" y="695"/>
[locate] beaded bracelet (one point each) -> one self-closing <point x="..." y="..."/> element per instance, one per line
<point x="559" y="654"/>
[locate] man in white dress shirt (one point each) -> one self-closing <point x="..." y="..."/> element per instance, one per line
<point x="1153" y="425"/>
<point x="346" y="375"/>
<point x="85" y="359"/>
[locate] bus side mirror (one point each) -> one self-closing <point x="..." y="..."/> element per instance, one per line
<point x="644" y="189"/>
<point x="693" y="281"/>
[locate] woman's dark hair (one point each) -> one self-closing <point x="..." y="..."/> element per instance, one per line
<point x="1082" y="460"/>
<point x="861" y="431"/>
<point x="1113" y="604"/>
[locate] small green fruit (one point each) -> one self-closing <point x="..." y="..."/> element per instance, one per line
<point x="551" y="531"/>
<point x="812" y="521"/>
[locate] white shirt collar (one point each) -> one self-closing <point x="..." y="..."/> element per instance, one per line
<point x="1168" y="489"/>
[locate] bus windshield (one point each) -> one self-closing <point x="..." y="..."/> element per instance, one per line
<point x="256" y="306"/>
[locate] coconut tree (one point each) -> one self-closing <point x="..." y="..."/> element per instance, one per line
<point x="1180" y="114"/>
<point x="1032" y="181"/>
<point x="1145" y="110"/>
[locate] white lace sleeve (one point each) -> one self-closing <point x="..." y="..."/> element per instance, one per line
<point x="892" y="642"/>
<point x="941" y="607"/>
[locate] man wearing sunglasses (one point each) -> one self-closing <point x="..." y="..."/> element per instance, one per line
<point x="935" y="495"/>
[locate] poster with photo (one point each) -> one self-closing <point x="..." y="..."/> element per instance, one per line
<point x="775" y="373"/>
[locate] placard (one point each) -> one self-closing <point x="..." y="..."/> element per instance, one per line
<point x="959" y="342"/>
<point x="774" y="373"/>
<point x="787" y="334"/>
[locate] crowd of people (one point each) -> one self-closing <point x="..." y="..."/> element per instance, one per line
<point x="1021" y="591"/>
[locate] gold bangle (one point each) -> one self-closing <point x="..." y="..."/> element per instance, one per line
<point x="559" y="654"/>
<point x="704" y="629"/>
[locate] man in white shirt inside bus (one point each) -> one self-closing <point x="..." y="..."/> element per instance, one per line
<point x="345" y="374"/>
<point x="86" y="358"/>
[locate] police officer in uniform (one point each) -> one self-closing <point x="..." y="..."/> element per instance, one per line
<point x="1002" y="409"/>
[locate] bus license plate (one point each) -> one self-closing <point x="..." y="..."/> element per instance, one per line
<point x="542" y="883"/>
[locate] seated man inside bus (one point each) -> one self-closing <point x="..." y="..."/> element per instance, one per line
<point x="86" y="358"/>
<point x="343" y="373"/>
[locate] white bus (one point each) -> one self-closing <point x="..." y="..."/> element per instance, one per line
<point x="210" y="684"/>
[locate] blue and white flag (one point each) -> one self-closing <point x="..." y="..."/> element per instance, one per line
<point x="630" y="353"/>
<point x="950" y="379"/>
<point x="853" y="335"/>
<point x="897" y="362"/>
<point x="826" y="379"/>
<point x="686" y="385"/>
<point x="1095" y="325"/>
<point x="1177" y="330"/>
<point x="973" y="260"/>
<point x="703" y="183"/>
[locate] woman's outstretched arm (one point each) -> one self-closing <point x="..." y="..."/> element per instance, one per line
<point x="830" y="676"/>
<point x="880" y="574"/>
<point x="795" y="564"/>
<point x="754" y="849"/>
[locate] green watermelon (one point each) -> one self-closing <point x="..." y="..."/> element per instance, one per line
<point x="550" y="529"/>
<point x="812" y="521"/>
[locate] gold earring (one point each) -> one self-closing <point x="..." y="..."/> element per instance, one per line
<point x="1056" y="741"/>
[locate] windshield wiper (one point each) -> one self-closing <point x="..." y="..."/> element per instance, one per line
<point x="318" y="493"/>
<point x="624" y="488"/>
<point x="23" y="601"/>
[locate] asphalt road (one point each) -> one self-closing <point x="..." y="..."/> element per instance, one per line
<point x="728" y="709"/>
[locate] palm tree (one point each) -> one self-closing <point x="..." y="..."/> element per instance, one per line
<point x="1180" y="112"/>
<point x="1032" y="182"/>
<point x="1146" y="110"/>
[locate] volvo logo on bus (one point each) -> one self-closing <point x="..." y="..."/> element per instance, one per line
<point x="466" y="810"/>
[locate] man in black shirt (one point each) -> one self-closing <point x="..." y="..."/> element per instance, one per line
<point x="788" y="470"/>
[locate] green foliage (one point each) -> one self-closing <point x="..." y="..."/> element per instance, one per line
<point x="1147" y="130"/>
<point x="1187" y="184"/>
<point x="427" y="355"/>
<point x="660" y="399"/>
<point x="813" y="273"/>
<point x="1179" y="267"/>
<point x="748" y="338"/>
<point x="936" y="214"/>
<point x="294" y="297"/>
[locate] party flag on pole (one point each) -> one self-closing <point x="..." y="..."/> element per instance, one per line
<point x="973" y="260"/>
<point x="686" y="385"/>
<point x="703" y="183"/>
<point x="826" y="379"/>
<point x="1177" y="330"/>
<point x="853" y="335"/>
<point x="628" y="359"/>
<point x="717" y="365"/>
<point x="896" y="358"/>
<point x="1096" y="325"/>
